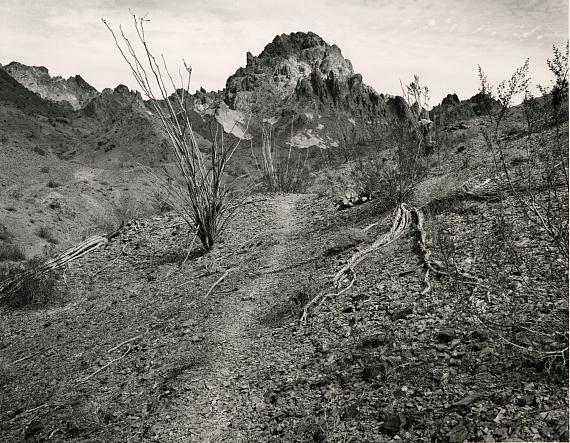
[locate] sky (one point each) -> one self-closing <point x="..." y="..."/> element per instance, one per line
<point x="442" y="41"/>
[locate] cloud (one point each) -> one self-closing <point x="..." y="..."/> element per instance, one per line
<point x="385" y="39"/>
<point x="478" y="29"/>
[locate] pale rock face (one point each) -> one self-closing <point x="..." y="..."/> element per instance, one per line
<point x="75" y="91"/>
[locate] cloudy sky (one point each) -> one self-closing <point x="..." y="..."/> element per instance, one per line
<point x="386" y="40"/>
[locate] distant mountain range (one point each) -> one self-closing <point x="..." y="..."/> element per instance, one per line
<point x="68" y="153"/>
<point x="299" y="84"/>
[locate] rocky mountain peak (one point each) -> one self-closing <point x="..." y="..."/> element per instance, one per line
<point x="74" y="90"/>
<point x="297" y="67"/>
<point x="294" y="43"/>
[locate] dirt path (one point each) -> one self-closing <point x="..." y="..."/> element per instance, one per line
<point x="223" y="394"/>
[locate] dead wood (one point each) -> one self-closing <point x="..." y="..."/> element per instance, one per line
<point x="405" y="219"/>
<point x="11" y="285"/>
<point x="124" y="343"/>
<point x="402" y="219"/>
<point x="83" y="380"/>
<point x="217" y="282"/>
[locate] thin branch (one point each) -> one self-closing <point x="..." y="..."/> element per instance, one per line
<point x="83" y="380"/>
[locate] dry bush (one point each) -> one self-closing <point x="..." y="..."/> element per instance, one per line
<point x="279" y="172"/>
<point x="526" y="315"/>
<point x="348" y="138"/>
<point x="9" y="252"/>
<point x="47" y="235"/>
<point x="539" y="181"/>
<point x="204" y="201"/>
<point x="36" y="289"/>
<point x="392" y="180"/>
<point x="520" y="289"/>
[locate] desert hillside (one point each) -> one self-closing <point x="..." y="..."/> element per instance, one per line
<point x="294" y="258"/>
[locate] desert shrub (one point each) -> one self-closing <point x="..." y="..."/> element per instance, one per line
<point x="125" y="208"/>
<point x="35" y="288"/>
<point x="202" y="197"/>
<point x="44" y="170"/>
<point x="280" y="172"/>
<point x="347" y="137"/>
<point x="528" y="317"/>
<point x="520" y="290"/>
<point x="46" y="234"/>
<point x="539" y="180"/>
<point x="10" y="252"/>
<point x="53" y="184"/>
<point x="5" y="235"/>
<point x="392" y="179"/>
<point x="39" y="150"/>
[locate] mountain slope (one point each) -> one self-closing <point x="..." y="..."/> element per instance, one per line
<point x="75" y="91"/>
<point x="300" y="80"/>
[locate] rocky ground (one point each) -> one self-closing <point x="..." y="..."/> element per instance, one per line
<point x="145" y="346"/>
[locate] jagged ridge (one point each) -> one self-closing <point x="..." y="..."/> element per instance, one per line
<point x="75" y="90"/>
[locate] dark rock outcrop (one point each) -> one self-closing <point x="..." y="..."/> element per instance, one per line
<point x="300" y="67"/>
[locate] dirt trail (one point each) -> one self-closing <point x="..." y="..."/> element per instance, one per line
<point x="223" y="393"/>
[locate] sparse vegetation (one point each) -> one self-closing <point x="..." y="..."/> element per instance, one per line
<point x="202" y="198"/>
<point x="394" y="179"/>
<point x="530" y="199"/>
<point x="53" y="184"/>
<point x="10" y="252"/>
<point x="539" y="181"/>
<point x="46" y="234"/>
<point x="428" y="301"/>
<point x="35" y="289"/>
<point x="280" y="172"/>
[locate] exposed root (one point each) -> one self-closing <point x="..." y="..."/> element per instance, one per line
<point x="320" y="299"/>
<point x="400" y="225"/>
<point x="402" y="219"/>
<point x="418" y="222"/>
<point x="130" y="340"/>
